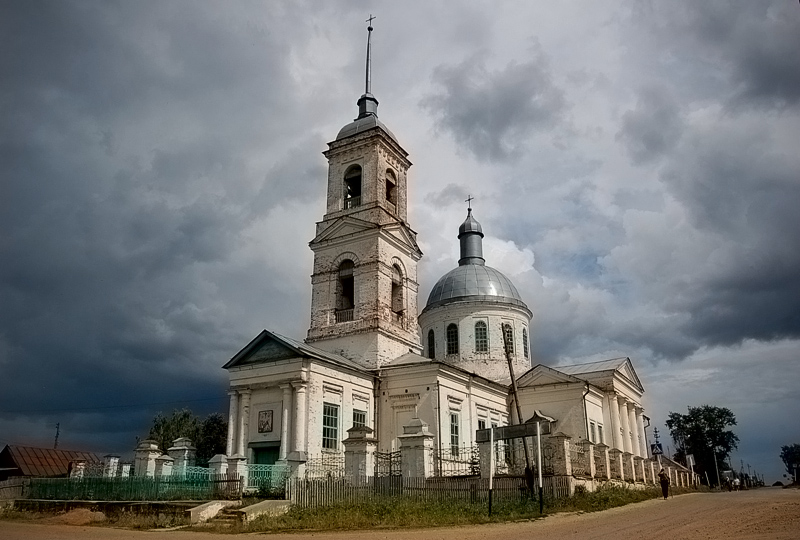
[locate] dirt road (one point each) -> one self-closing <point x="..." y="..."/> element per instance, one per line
<point x="767" y="513"/>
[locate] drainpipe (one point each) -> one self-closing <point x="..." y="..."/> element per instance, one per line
<point x="376" y="393"/>
<point x="585" y="413"/>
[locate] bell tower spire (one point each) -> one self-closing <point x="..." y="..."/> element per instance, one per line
<point x="364" y="285"/>
<point x="367" y="104"/>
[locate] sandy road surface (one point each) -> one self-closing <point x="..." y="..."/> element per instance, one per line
<point x="768" y="513"/>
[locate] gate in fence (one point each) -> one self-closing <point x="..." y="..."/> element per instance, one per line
<point x="388" y="464"/>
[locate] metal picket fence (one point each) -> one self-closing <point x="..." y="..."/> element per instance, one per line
<point x="136" y="488"/>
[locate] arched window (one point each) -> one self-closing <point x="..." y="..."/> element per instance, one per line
<point x="345" y="292"/>
<point x="481" y="337"/>
<point x="352" y="187"/>
<point x="391" y="187"/>
<point x="431" y="345"/>
<point x="452" y="339"/>
<point x="508" y="334"/>
<point x="525" y="342"/>
<point x="397" y="290"/>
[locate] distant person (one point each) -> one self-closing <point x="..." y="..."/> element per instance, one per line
<point x="736" y="484"/>
<point x="663" y="479"/>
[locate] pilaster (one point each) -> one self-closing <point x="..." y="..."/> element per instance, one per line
<point x="601" y="462"/>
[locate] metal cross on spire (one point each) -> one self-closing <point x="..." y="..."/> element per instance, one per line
<point x="469" y="202"/>
<point x="368" y="81"/>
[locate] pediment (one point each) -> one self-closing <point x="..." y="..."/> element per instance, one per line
<point x="541" y="375"/>
<point x="627" y="371"/>
<point x="402" y="234"/>
<point x="264" y="348"/>
<point x="344" y="226"/>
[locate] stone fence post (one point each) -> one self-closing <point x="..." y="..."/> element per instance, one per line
<point x="237" y="467"/>
<point x="163" y="466"/>
<point x="183" y="453"/>
<point x="110" y="465"/>
<point x="359" y="452"/>
<point x="589" y="458"/>
<point x="615" y="464"/>
<point x="416" y="450"/>
<point x="145" y="458"/>
<point x="218" y="464"/>
<point x="638" y="465"/>
<point x="562" y="465"/>
<point x="601" y="462"/>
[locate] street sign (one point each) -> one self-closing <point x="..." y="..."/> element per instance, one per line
<point x="511" y="432"/>
<point x="656" y="449"/>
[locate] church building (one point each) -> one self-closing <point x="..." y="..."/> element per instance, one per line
<point x="372" y="359"/>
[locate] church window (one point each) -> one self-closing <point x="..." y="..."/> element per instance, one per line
<point x="454" y="442"/>
<point x="397" y="290"/>
<point x="452" y="339"/>
<point x="431" y="345"/>
<point x="600" y="438"/>
<point x="508" y="334"/>
<point x="525" y="342"/>
<point x="330" y="426"/>
<point x="359" y="418"/>
<point x="592" y="432"/>
<point x="391" y="187"/>
<point x="481" y="423"/>
<point x="481" y="337"/>
<point x="352" y="187"/>
<point x="345" y="292"/>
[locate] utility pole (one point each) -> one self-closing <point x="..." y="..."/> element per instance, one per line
<point x="507" y="348"/>
<point x="58" y="430"/>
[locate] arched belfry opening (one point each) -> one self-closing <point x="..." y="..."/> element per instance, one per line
<point x="391" y="187"/>
<point x="398" y="303"/>
<point x="345" y="292"/>
<point x="352" y="187"/>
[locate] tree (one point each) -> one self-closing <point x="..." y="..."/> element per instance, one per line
<point x="790" y="455"/>
<point x="702" y="432"/>
<point x="208" y="436"/>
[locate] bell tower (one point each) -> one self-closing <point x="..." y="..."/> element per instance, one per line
<point x="364" y="285"/>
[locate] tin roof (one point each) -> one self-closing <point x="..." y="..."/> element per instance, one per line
<point x="33" y="461"/>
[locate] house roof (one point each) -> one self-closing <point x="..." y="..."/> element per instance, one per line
<point x="282" y="347"/>
<point x="621" y="365"/>
<point x="33" y="461"/>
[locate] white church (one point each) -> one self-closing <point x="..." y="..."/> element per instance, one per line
<point x="377" y="360"/>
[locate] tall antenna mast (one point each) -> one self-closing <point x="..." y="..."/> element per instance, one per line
<point x="58" y="430"/>
<point x="368" y="81"/>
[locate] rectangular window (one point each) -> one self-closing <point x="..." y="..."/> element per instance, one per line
<point x="330" y="426"/>
<point x="592" y="433"/>
<point x="454" y="433"/>
<point x="359" y="418"/>
<point x="481" y="424"/>
<point x="600" y="434"/>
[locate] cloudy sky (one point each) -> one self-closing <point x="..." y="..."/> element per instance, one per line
<point x="635" y="166"/>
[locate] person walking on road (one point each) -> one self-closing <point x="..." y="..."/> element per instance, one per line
<point x="663" y="479"/>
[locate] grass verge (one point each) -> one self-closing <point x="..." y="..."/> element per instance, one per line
<point x="402" y="512"/>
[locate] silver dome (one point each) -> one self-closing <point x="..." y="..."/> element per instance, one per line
<point x="360" y="125"/>
<point x="474" y="282"/>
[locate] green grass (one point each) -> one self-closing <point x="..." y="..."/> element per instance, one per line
<point x="402" y="512"/>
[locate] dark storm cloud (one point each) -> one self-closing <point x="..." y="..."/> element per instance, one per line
<point x="741" y="53"/>
<point x="494" y="112"/>
<point x="653" y="127"/>
<point x="125" y="144"/>
<point x="738" y="188"/>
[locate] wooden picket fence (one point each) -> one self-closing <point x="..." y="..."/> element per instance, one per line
<point x="317" y="492"/>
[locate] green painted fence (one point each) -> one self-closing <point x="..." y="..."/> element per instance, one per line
<point x="136" y="488"/>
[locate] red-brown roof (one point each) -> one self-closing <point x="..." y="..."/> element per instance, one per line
<point x="42" y="461"/>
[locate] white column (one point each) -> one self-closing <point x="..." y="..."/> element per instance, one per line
<point x="300" y="388"/>
<point x="616" y="426"/>
<point x="244" y="421"/>
<point x="640" y="430"/>
<point x="634" y="429"/>
<point x="623" y="414"/>
<point x="285" y="408"/>
<point x="233" y="414"/>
